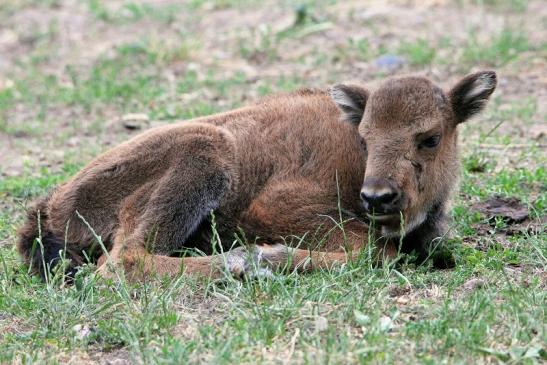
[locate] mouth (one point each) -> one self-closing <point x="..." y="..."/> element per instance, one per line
<point x="385" y="218"/>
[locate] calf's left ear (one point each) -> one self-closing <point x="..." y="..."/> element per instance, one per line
<point x="470" y="95"/>
<point x="351" y="100"/>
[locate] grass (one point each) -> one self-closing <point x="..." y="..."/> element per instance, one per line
<point x="499" y="50"/>
<point x="504" y="5"/>
<point x="419" y="53"/>
<point x="353" y="314"/>
<point x="489" y="309"/>
<point x="132" y="11"/>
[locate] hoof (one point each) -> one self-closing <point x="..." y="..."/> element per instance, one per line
<point x="254" y="261"/>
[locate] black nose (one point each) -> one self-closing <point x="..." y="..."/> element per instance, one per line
<point x="380" y="195"/>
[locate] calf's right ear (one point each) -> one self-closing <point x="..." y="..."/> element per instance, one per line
<point x="470" y="95"/>
<point x="351" y="100"/>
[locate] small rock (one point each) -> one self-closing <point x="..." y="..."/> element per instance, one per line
<point x="372" y="14"/>
<point x="82" y="331"/>
<point x="135" y="121"/>
<point x="8" y="38"/>
<point x="6" y="84"/>
<point x="73" y="141"/>
<point x="473" y="284"/>
<point x="118" y="362"/>
<point x="390" y="62"/>
<point x="385" y="323"/>
<point x="321" y="324"/>
<point x="403" y="300"/>
<point x="538" y="131"/>
<point x="361" y="318"/>
<point x="58" y="154"/>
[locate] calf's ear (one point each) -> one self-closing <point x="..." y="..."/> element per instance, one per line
<point x="351" y="100"/>
<point x="470" y="95"/>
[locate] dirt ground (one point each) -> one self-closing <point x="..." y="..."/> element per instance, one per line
<point x="59" y="36"/>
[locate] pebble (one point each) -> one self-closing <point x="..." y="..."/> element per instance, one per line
<point x="135" y="121"/>
<point x="321" y="324"/>
<point x="390" y="62"/>
<point x="473" y="284"/>
<point x="82" y="331"/>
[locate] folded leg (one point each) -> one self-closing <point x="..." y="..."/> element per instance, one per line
<point x="158" y="218"/>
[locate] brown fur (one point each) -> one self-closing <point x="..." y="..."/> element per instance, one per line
<point x="289" y="166"/>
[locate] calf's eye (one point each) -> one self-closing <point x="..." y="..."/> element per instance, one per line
<point x="430" y="142"/>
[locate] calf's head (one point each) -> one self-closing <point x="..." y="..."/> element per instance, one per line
<point x="409" y="129"/>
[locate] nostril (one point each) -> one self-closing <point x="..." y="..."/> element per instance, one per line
<point x="379" y="201"/>
<point x="388" y="198"/>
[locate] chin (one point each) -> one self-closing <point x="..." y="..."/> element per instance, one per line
<point x="395" y="229"/>
<point x="390" y="231"/>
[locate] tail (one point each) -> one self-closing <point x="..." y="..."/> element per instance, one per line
<point x="42" y="250"/>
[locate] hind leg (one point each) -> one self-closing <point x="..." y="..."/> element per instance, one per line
<point x="157" y="220"/>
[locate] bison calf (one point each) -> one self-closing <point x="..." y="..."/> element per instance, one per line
<point x="294" y="165"/>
